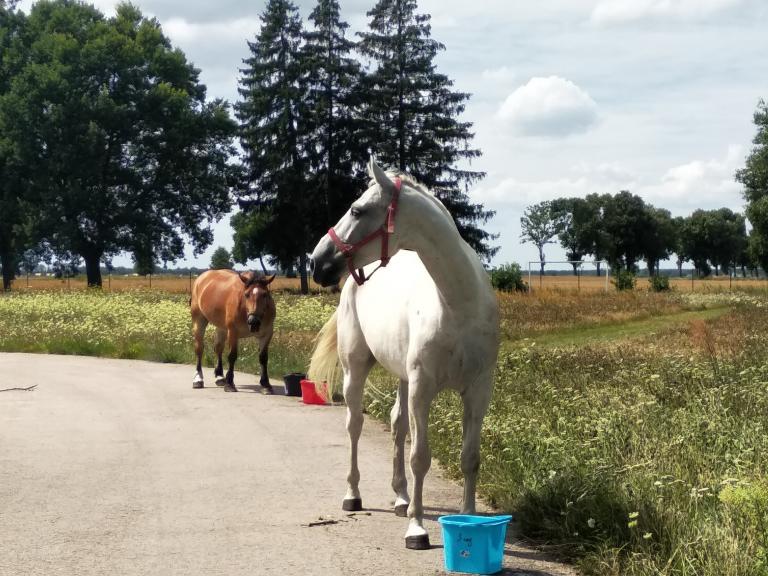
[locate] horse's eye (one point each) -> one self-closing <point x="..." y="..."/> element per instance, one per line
<point x="356" y="212"/>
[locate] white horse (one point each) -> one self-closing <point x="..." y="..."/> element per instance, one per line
<point x="430" y="318"/>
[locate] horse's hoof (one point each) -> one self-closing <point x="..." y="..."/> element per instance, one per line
<point x="197" y="384"/>
<point x="420" y="542"/>
<point x="352" y="504"/>
<point x="221" y="381"/>
<point x="267" y="389"/>
<point x="401" y="510"/>
<point x="230" y="388"/>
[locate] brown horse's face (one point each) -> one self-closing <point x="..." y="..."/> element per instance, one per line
<point x="257" y="298"/>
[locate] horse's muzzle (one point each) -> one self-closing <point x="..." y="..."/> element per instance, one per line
<point x="254" y="322"/>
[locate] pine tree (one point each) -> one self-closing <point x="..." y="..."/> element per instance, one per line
<point x="412" y="114"/>
<point x="332" y="78"/>
<point x="277" y="217"/>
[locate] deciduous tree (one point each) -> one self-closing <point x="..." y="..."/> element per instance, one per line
<point x="539" y="227"/>
<point x="126" y="151"/>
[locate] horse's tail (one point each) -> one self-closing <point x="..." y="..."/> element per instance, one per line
<point x="324" y="366"/>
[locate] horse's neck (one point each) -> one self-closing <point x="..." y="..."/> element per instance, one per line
<point x="431" y="233"/>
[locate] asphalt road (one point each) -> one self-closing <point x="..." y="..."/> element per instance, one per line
<point x="120" y="467"/>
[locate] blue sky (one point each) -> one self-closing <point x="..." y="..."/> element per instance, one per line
<point x="569" y="96"/>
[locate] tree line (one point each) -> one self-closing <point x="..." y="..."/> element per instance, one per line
<point x="109" y="144"/>
<point x="624" y="230"/>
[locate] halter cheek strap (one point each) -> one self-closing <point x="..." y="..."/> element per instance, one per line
<point x="387" y="228"/>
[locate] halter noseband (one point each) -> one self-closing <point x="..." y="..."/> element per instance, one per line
<point x="348" y="250"/>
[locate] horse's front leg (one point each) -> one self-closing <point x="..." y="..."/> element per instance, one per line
<point x="263" y="360"/>
<point x="476" y="402"/>
<point x="354" y="379"/>
<point x="399" y="425"/>
<point x="420" y="397"/>
<point x="229" y="384"/>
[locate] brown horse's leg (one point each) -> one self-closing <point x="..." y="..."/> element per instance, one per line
<point x="218" y="346"/>
<point x="199" y="324"/>
<point x="229" y="385"/>
<point x="263" y="360"/>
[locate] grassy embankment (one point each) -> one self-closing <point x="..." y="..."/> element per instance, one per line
<point x="628" y="432"/>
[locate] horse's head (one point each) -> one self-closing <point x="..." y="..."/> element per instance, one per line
<point x="257" y="297"/>
<point x="364" y="234"/>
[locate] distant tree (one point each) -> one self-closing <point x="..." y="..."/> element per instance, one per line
<point x="566" y="213"/>
<point x="412" y="112"/>
<point x="221" y="259"/>
<point x="144" y="262"/>
<point x="125" y="151"/>
<point x="678" y="225"/>
<point x="30" y="260"/>
<point x="695" y="242"/>
<point x="754" y="177"/>
<point x="589" y="226"/>
<point x="729" y="236"/>
<point x="659" y="240"/>
<point x="539" y="227"/>
<point x="279" y="208"/>
<point x="714" y="238"/>
<point x="625" y="222"/>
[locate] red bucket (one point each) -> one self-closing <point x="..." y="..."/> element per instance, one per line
<point x="309" y="394"/>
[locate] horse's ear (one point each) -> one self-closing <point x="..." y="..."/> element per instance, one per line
<point x="245" y="277"/>
<point x="269" y="280"/>
<point x="380" y="176"/>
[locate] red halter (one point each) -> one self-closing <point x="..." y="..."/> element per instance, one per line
<point x="386" y="229"/>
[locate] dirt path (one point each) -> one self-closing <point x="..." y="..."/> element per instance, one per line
<point x="119" y="467"/>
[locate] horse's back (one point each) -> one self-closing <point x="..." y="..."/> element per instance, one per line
<point x="213" y="292"/>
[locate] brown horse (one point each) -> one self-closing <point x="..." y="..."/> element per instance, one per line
<point x="239" y="306"/>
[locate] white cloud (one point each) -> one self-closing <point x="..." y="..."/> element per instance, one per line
<point x="618" y="11"/>
<point x="580" y="180"/>
<point x="703" y="184"/>
<point x="501" y="74"/>
<point x="189" y="34"/>
<point x="706" y="184"/>
<point x="551" y="106"/>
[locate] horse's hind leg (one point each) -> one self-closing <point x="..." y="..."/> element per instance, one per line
<point x="476" y="401"/>
<point x="198" y="331"/>
<point x="399" y="422"/>
<point x="356" y="368"/>
<point x="218" y="347"/>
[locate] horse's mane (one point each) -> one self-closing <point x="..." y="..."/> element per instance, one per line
<point x="414" y="184"/>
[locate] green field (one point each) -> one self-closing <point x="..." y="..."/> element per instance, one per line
<point x="627" y="432"/>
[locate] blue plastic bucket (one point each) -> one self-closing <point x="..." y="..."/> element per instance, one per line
<point x="474" y="544"/>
